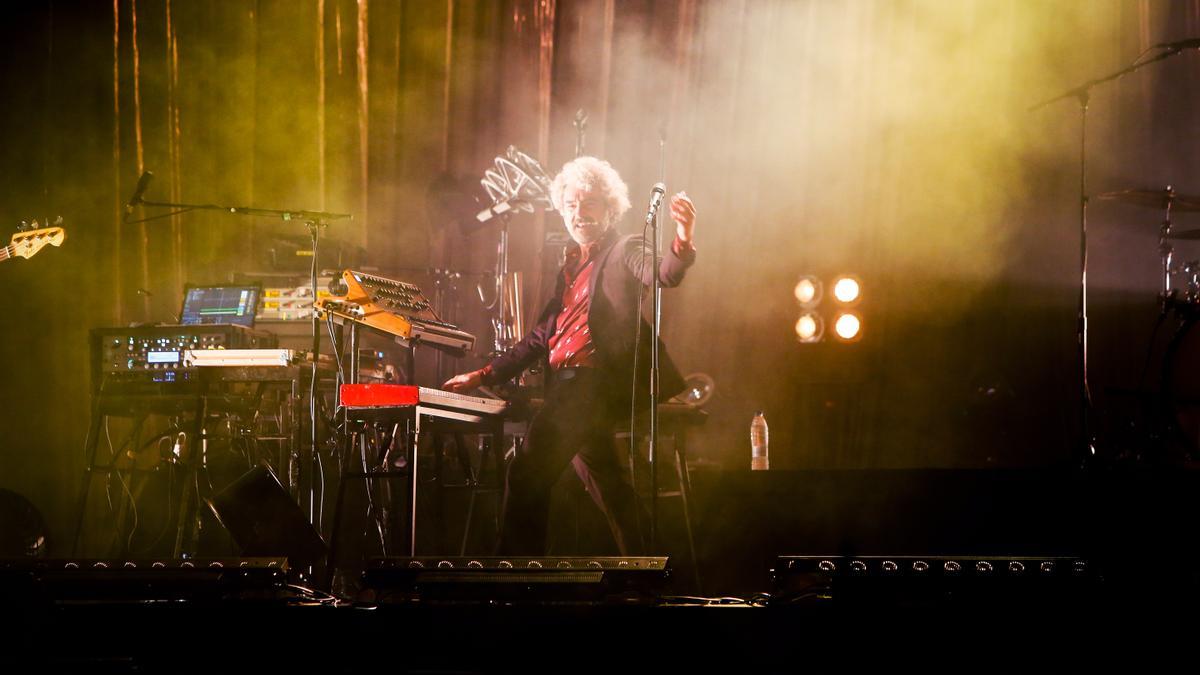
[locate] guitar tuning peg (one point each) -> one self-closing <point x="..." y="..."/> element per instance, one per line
<point x="23" y="226"/>
<point x="58" y="221"/>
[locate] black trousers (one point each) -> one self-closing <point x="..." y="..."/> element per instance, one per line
<point x="575" y="426"/>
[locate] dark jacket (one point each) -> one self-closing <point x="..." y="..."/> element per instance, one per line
<point x="618" y="279"/>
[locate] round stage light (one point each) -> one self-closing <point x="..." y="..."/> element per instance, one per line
<point x="808" y="291"/>
<point x="848" y="327"/>
<point x="810" y="327"/>
<point x="847" y="290"/>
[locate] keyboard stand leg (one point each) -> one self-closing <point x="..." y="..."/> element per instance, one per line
<point x="413" y="446"/>
<point x="85" y="489"/>
<point x="346" y="444"/>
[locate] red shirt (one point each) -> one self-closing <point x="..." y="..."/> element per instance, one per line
<point x="571" y="345"/>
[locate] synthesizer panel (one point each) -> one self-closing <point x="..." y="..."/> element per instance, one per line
<point x="156" y="353"/>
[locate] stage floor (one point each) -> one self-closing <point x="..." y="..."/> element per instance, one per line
<point x="236" y="636"/>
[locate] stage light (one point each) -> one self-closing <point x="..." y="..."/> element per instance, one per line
<point x="847" y="290"/>
<point x="848" y="327"/>
<point x="808" y="291"/>
<point x="810" y="327"/>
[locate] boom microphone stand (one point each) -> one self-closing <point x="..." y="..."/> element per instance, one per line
<point x="315" y="220"/>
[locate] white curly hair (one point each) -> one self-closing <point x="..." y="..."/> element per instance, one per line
<point x="590" y="173"/>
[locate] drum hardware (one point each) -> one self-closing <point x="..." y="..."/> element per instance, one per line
<point x="1191" y="274"/>
<point x="1186" y="235"/>
<point x="517" y="183"/>
<point x="1173" y="432"/>
<point x="1082" y="95"/>
<point x="1187" y="294"/>
<point x="1154" y="199"/>
<point x="1168" y="419"/>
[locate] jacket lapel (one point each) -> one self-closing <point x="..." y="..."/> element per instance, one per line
<point x="601" y="262"/>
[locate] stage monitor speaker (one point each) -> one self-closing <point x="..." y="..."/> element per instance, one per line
<point x="930" y="580"/>
<point x="516" y="579"/>
<point x="264" y="520"/>
<point x="22" y="528"/>
<point x="77" y="581"/>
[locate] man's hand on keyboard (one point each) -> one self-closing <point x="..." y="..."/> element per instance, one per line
<point x="465" y="382"/>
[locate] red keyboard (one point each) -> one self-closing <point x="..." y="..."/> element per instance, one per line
<point x="398" y="395"/>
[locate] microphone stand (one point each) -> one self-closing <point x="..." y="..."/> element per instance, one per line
<point x="1082" y="94"/>
<point x="655" y="332"/>
<point x="315" y="220"/>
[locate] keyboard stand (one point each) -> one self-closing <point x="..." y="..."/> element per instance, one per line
<point x="411" y="423"/>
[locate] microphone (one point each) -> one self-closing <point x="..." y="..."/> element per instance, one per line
<point x="656" y="197"/>
<point x="140" y="190"/>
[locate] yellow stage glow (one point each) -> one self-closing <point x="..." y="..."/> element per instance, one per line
<point x="848" y="326"/>
<point x="808" y="291"/>
<point x="846" y="289"/>
<point x="810" y="327"/>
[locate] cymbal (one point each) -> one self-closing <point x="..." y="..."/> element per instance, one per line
<point x="1154" y="199"/>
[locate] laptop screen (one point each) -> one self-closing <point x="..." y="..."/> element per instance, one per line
<point x="220" y="304"/>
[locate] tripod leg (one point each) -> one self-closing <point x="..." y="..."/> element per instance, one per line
<point x="190" y="492"/>
<point x="338" y="502"/>
<point x="462" y="549"/>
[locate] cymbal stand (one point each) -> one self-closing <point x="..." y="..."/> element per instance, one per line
<point x="1082" y="93"/>
<point x="1166" y="250"/>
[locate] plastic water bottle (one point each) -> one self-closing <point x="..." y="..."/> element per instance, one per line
<point x="758" y="443"/>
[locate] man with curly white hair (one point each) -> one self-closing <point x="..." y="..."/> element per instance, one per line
<point x="589" y="333"/>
